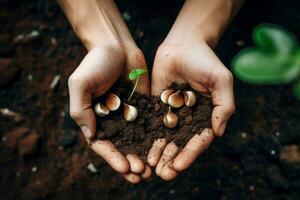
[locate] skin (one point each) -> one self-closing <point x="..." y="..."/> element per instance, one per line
<point x="186" y="55"/>
<point x="111" y="53"/>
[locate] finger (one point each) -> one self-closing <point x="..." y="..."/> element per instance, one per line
<point x="156" y="151"/>
<point x="223" y="100"/>
<point x="111" y="155"/>
<point x="80" y="107"/>
<point x="136" y="164"/>
<point x="168" y="154"/>
<point x="197" y="144"/>
<point x="132" y="178"/>
<point x="168" y="173"/>
<point x="95" y="75"/>
<point x="147" y="173"/>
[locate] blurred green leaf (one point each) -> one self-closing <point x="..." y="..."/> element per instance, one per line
<point x="296" y="90"/>
<point x="255" y="66"/>
<point x="135" y="73"/>
<point x="272" y="38"/>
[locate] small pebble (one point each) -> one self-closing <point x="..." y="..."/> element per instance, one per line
<point x="240" y="43"/>
<point x="11" y="114"/>
<point x="272" y="152"/>
<point x="251" y="188"/>
<point x="244" y="135"/>
<point x="53" y="41"/>
<point x="33" y="34"/>
<point x="34" y="169"/>
<point x="54" y="82"/>
<point x="30" y="77"/>
<point x="91" y="167"/>
<point x="126" y="16"/>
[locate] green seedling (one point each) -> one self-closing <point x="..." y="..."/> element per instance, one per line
<point x="135" y="75"/>
<point x="275" y="59"/>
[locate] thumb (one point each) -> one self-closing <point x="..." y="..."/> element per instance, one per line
<point x="80" y="107"/>
<point x="223" y="100"/>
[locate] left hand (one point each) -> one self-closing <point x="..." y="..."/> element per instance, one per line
<point x="194" y="63"/>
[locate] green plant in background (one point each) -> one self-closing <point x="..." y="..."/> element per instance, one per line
<point x="275" y="59"/>
<point x="135" y="75"/>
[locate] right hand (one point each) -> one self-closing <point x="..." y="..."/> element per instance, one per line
<point x="97" y="72"/>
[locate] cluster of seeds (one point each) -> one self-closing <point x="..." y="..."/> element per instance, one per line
<point x="176" y="99"/>
<point x="113" y="103"/>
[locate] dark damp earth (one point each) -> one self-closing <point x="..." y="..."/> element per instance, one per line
<point x="43" y="154"/>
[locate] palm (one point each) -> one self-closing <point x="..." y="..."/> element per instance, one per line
<point x="197" y="65"/>
<point x="95" y="75"/>
<point x="194" y="64"/>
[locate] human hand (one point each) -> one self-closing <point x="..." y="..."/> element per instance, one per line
<point x="97" y="72"/>
<point x="186" y="56"/>
<point x="194" y="63"/>
<point x="112" y="52"/>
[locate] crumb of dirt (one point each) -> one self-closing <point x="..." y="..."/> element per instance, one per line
<point x="13" y="138"/>
<point x="290" y="153"/>
<point x="29" y="145"/>
<point x="23" y="141"/>
<point x="138" y="136"/>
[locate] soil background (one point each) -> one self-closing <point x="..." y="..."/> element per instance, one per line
<point x="43" y="155"/>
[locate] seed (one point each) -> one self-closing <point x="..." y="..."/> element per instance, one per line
<point x="189" y="98"/>
<point x="112" y="102"/>
<point x="164" y="96"/>
<point x="176" y="100"/>
<point x="130" y="112"/>
<point x="170" y="119"/>
<point x="101" y="110"/>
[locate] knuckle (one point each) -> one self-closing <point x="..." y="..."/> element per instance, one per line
<point x="74" y="79"/>
<point x="231" y="108"/>
<point x="227" y="75"/>
<point x="75" y="114"/>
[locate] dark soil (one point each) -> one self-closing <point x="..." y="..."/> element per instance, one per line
<point x="138" y="136"/>
<point x="246" y="163"/>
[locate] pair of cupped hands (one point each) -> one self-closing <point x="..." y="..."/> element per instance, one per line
<point x="194" y="63"/>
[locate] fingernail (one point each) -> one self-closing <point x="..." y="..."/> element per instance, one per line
<point x="222" y="128"/>
<point x="86" y="131"/>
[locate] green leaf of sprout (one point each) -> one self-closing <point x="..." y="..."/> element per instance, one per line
<point x="272" y="38"/>
<point x="254" y="66"/>
<point x="135" y="73"/>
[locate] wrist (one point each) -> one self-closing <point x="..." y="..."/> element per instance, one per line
<point x="97" y="22"/>
<point x="203" y="20"/>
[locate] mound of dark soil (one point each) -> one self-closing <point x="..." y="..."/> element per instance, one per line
<point x="138" y="136"/>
